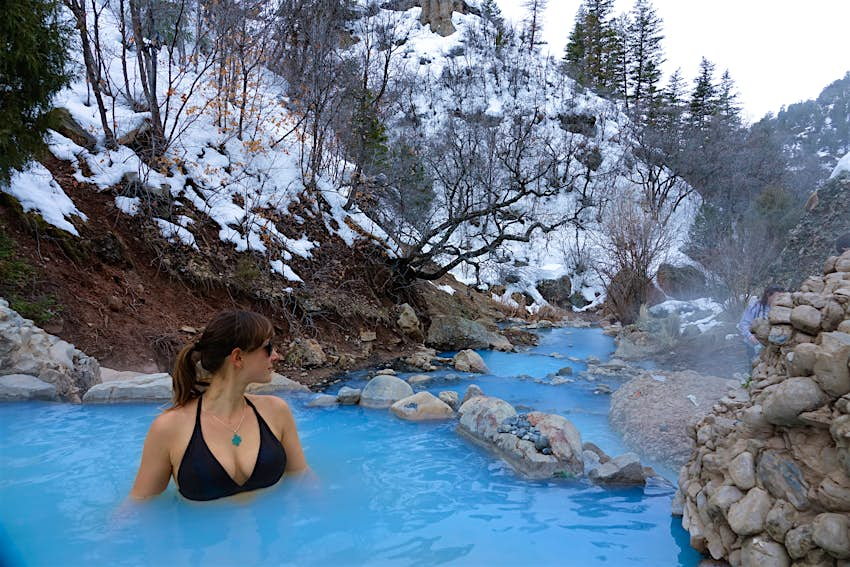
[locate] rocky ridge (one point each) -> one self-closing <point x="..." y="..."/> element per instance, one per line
<point x="769" y="480"/>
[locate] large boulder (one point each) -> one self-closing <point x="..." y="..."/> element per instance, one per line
<point x="141" y="388"/>
<point x="535" y="445"/>
<point x="22" y="387"/>
<point x="409" y="323"/>
<point x="469" y="361"/>
<point x="624" y="470"/>
<point x="458" y="333"/>
<point x="652" y="411"/>
<point x="557" y="292"/>
<point x="27" y="349"/>
<point x="422" y="406"/>
<point x="383" y="391"/>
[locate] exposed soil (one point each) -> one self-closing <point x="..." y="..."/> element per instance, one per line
<point x="117" y="301"/>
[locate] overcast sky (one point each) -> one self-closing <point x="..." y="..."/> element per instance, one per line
<point x="777" y="51"/>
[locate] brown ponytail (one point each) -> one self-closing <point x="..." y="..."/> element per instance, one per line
<point x="228" y="330"/>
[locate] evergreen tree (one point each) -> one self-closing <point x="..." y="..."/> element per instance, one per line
<point x="534" y="21"/>
<point x="32" y="70"/>
<point x="575" y="52"/>
<point x="703" y="104"/>
<point x="645" y="52"/>
<point x="491" y="13"/>
<point x="588" y="52"/>
<point x="618" y="59"/>
<point x="727" y="99"/>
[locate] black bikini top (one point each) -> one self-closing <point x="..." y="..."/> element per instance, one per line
<point x="201" y="476"/>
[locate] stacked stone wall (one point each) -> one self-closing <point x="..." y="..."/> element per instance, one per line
<point x="769" y="480"/>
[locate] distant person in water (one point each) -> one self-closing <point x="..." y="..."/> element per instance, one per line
<point x="215" y="440"/>
<point x="758" y="308"/>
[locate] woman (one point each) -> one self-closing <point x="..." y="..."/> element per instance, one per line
<point x="215" y="440"/>
<point x="757" y="309"/>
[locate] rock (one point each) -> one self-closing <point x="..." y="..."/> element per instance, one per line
<point x="348" y="396"/>
<point x="832" y="316"/>
<point x="21" y="387"/>
<point x="747" y="516"/>
<point x="783" y="478"/>
<point x="561" y="435"/>
<point x="779" y="315"/>
<point x="803" y="361"/>
<point x="422" y="406"/>
<point x="62" y="121"/>
<point x="142" y="388"/>
<point x="652" y="416"/>
<point x="323" y="401"/>
<point x="798" y="541"/>
<point x="784" y="402"/>
<point x="278" y="383"/>
<point x="742" y="470"/>
<point x="806" y="318"/>
<point x="385" y="372"/>
<point x="480" y="417"/>
<point x="26" y="349"/>
<point x="457" y="333"/>
<point x="306" y="353"/>
<point x="779" y="334"/>
<point x="409" y="323"/>
<point x="557" y="292"/>
<point x="831" y="532"/>
<point x="418" y="379"/>
<point x="383" y="391"/>
<point x="470" y="361"/>
<point x="565" y="371"/>
<point x="472" y="391"/>
<point x="830" y="368"/>
<point x="780" y="519"/>
<point x="624" y="469"/>
<point x="719" y="502"/>
<point x="438" y="14"/>
<point x="760" y="551"/>
<point x="450" y="398"/>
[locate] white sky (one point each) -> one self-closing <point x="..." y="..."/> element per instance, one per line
<point x="777" y="51"/>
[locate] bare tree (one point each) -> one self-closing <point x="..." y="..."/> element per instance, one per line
<point x="635" y="243"/>
<point x="93" y="74"/>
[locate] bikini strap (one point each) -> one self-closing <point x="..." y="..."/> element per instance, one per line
<point x="198" y="412"/>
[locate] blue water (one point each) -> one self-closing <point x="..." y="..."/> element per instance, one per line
<point x="387" y="492"/>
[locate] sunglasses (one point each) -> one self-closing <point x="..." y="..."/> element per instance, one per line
<point x="269" y="348"/>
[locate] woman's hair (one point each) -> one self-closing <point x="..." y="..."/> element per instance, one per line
<point x="768" y="291"/>
<point x="228" y="330"/>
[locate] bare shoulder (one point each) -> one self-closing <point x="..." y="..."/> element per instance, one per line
<point x="172" y="421"/>
<point x="271" y="404"/>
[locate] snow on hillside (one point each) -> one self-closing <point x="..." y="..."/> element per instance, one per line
<point x="842" y="166"/>
<point x="235" y="181"/>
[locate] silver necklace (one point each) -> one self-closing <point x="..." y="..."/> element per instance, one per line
<point x="236" y="439"/>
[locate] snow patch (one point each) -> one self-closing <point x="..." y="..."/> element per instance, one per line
<point x="36" y="190"/>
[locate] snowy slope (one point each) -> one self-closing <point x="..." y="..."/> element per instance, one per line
<point x="243" y="184"/>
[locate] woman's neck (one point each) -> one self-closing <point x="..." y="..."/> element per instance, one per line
<point x="224" y="397"/>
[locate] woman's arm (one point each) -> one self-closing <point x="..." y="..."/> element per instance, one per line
<point x="747" y="320"/>
<point x="295" y="459"/>
<point x="155" y="468"/>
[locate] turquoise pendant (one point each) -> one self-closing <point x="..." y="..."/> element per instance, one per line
<point x="236" y="440"/>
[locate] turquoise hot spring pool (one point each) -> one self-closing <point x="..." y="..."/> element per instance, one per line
<point x="386" y="492"/>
